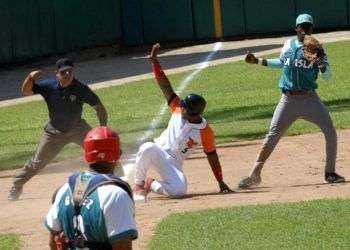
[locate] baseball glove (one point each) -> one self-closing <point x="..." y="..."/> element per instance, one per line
<point x="313" y="50"/>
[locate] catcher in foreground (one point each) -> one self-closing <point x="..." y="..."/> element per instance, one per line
<point x="94" y="208"/>
<point x="186" y="130"/>
<point x="301" y="59"/>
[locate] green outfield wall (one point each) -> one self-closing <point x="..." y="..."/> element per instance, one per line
<point x="167" y="20"/>
<point x="35" y="28"/>
<point x="203" y="19"/>
<point x="233" y="17"/>
<point x="327" y="14"/>
<point x="269" y="16"/>
<point x="5" y="31"/>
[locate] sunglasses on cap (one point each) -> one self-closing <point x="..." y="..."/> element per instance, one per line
<point x="65" y="72"/>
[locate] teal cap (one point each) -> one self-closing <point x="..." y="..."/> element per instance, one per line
<point x="304" y="18"/>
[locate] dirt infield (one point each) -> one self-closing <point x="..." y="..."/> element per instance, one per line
<point x="293" y="173"/>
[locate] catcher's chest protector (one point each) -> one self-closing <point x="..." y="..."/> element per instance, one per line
<point x="80" y="191"/>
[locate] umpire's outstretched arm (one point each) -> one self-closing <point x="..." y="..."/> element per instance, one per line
<point x="161" y="78"/>
<point x="28" y="83"/>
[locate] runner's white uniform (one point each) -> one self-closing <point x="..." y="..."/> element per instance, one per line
<point x="167" y="153"/>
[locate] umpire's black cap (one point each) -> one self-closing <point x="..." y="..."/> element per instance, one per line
<point x="64" y="64"/>
<point x="194" y="104"/>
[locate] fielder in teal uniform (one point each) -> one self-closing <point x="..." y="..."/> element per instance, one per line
<point x="299" y="100"/>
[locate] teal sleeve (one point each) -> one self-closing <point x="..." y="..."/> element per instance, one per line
<point x="275" y="63"/>
<point x="327" y="74"/>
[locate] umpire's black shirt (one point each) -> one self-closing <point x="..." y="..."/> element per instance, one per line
<point x="65" y="105"/>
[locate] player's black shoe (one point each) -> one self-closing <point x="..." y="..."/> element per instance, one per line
<point x="334" y="178"/>
<point x="14" y="193"/>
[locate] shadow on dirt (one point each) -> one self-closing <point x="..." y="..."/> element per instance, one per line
<point x="190" y="196"/>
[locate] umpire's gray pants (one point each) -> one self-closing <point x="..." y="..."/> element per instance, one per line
<point x="50" y="145"/>
<point x="308" y="107"/>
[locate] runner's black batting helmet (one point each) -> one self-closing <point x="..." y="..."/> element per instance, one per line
<point x="194" y="104"/>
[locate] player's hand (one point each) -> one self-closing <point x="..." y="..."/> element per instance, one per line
<point x="153" y="57"/>
<point x="320" y="53"/>
<point x="61" y="241"/>
<point x="320" y="64"/>
<point x="35" y="75"/>
<point x="224" y="188"/>
<point x="250" y="58"/>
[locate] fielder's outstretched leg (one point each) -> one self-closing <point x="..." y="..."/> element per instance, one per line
<point x="285" y="114"/>
<point x="173" y="182"/>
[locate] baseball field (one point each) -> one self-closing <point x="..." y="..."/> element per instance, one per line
<point x="320" y="224"/>
<point x="9" y="241"/>
<point x="241" y="100"/>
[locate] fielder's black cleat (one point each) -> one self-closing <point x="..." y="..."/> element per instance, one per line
<point x="14" y="193"/>
<point x="334" y="178"/>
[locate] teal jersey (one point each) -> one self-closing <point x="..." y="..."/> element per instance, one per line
<point x="298" y="72"/>
<point x="107" y="214"/>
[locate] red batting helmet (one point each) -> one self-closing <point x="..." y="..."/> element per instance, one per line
<point x="102" y="145"/>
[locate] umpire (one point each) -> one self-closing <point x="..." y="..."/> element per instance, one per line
<point x="64" y="97"/>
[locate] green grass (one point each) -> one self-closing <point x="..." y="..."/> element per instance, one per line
<point x="321" y="224"/>
<point x="241" y="99"/>
<point x="9" y="242"/>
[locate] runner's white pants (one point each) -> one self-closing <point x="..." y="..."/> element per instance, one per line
<point x="173" y="181"/>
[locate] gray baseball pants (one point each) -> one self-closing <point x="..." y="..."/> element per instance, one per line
<point x="50" y="145"/>
<point x="290" y="108"/>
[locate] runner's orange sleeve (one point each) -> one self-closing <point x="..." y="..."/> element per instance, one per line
<point x="208" y="140"/>
<point x="175" y="105"/>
